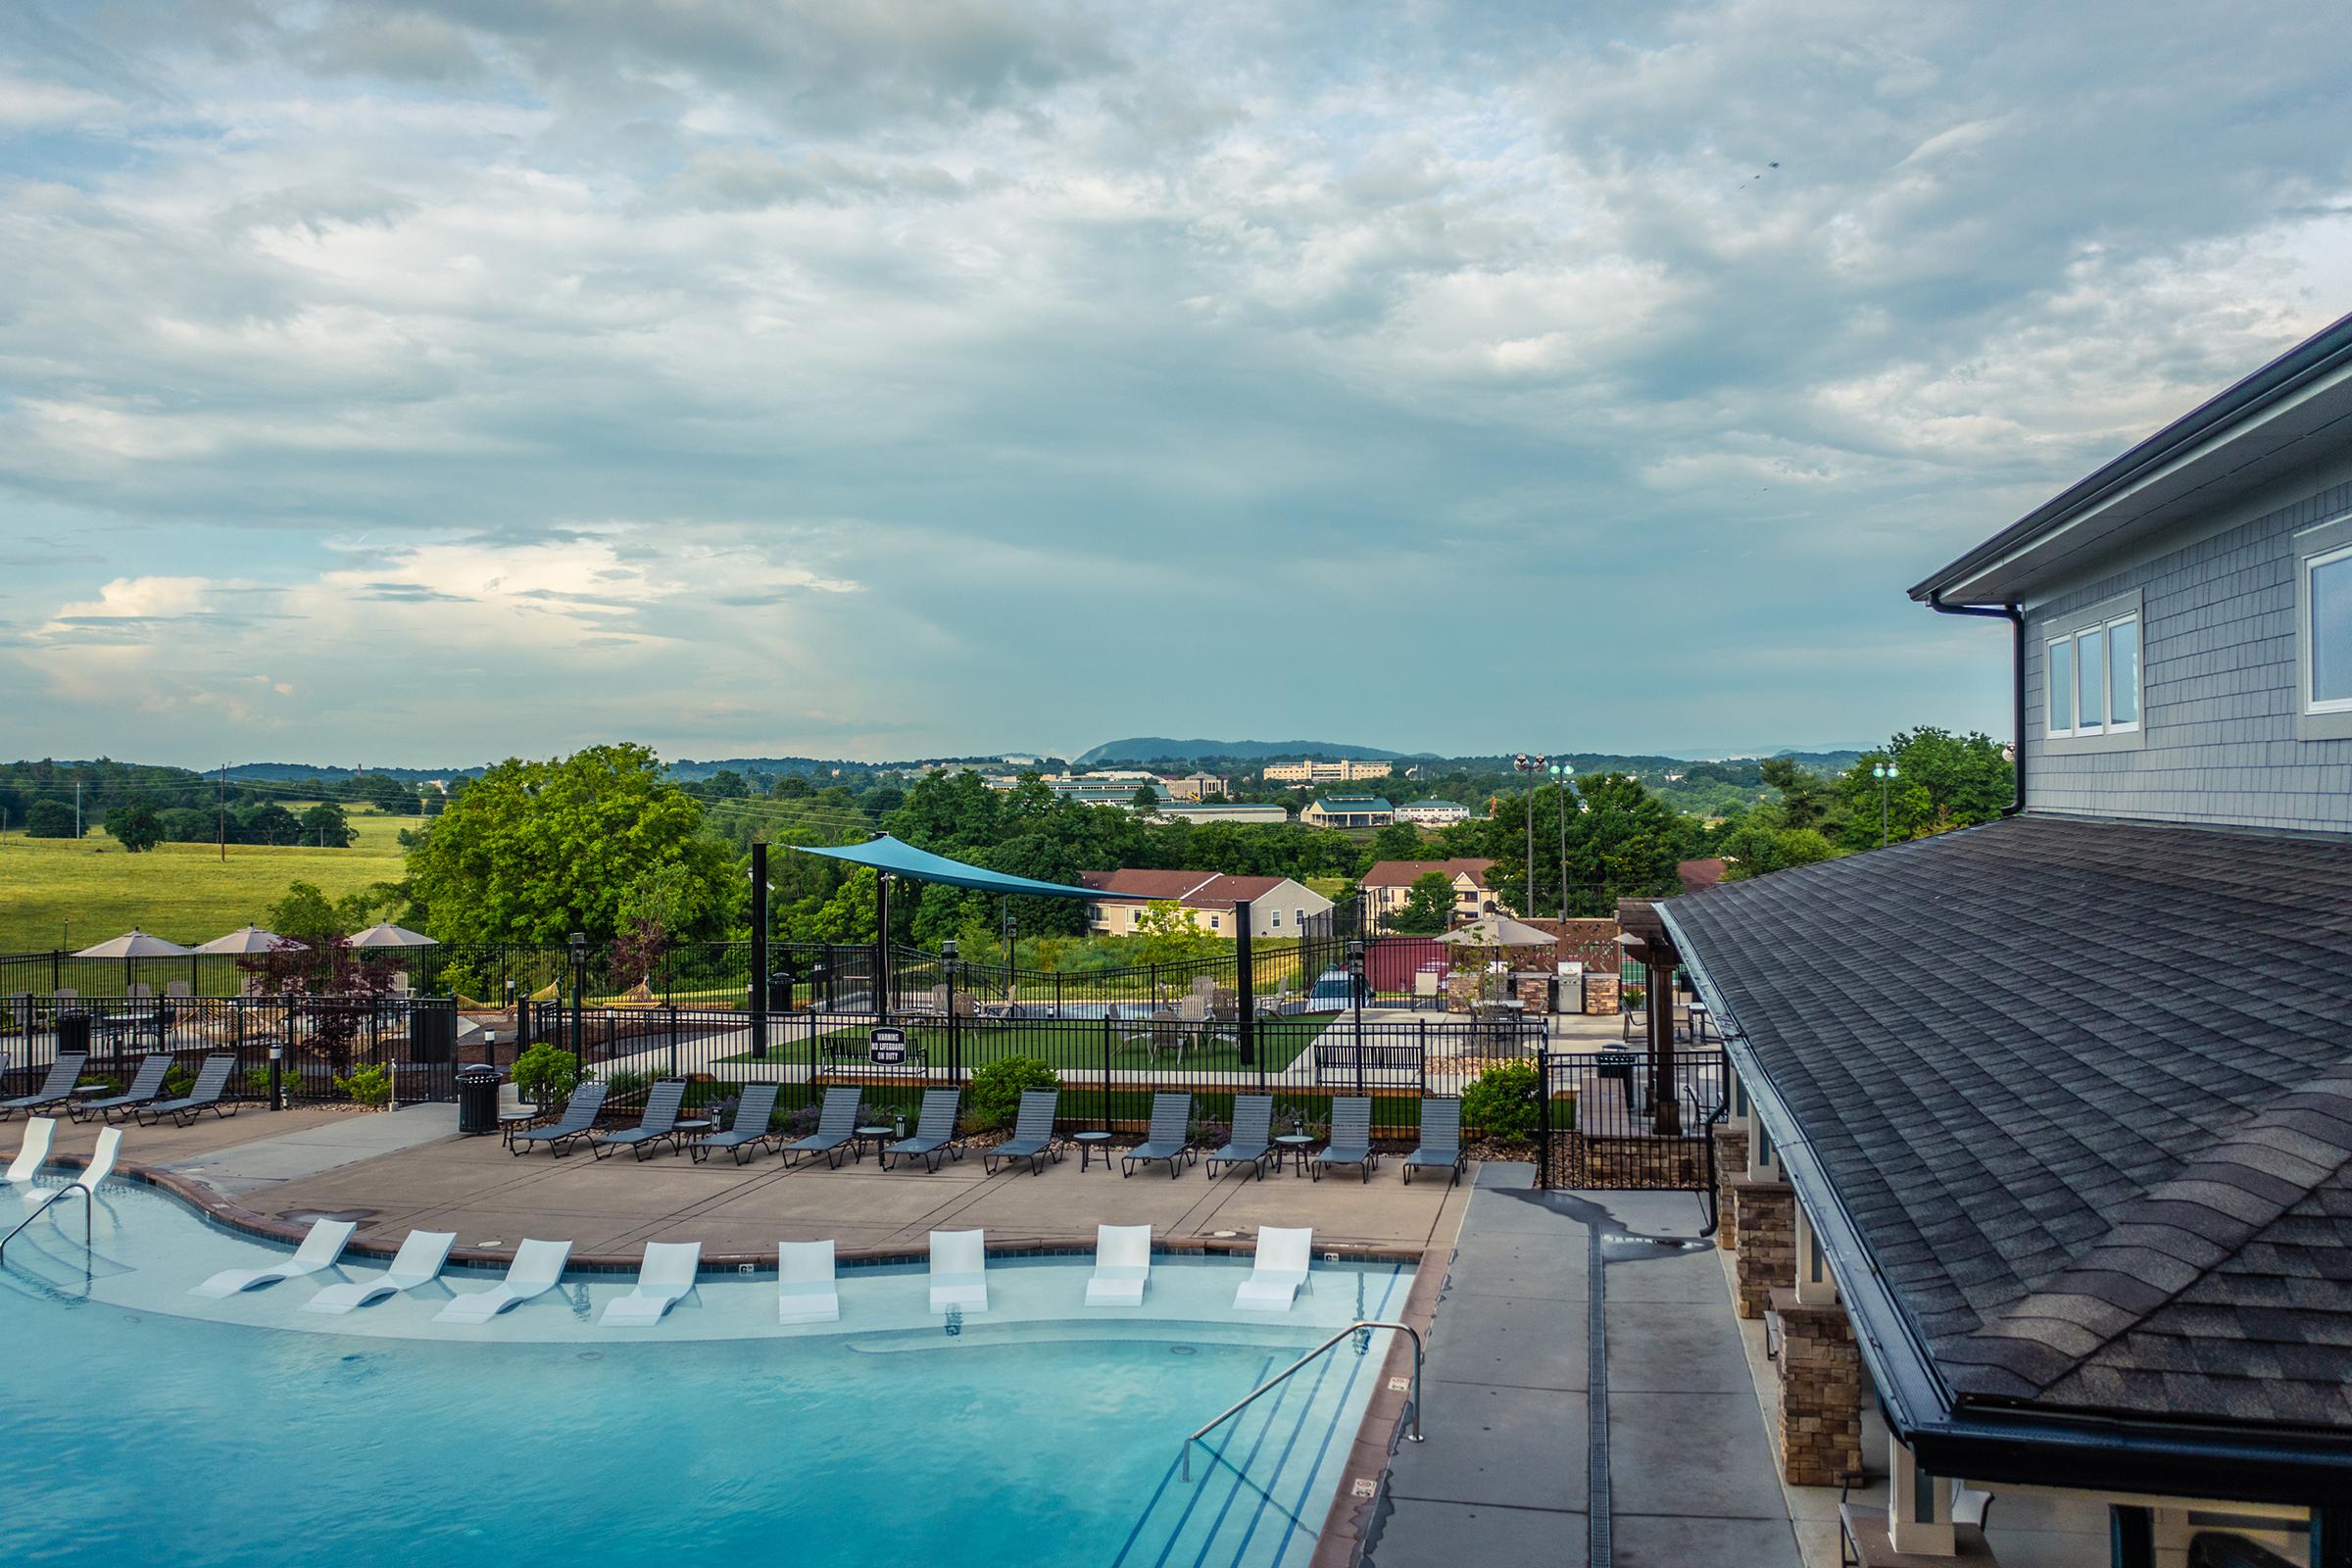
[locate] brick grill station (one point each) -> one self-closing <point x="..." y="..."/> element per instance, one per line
<point x="1817" y="1420"/>
<point x="1765" y="1213"/>
<point x="1731" y="1156"/>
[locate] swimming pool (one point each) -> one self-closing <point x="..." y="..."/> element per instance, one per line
<point x="147" y="1425"/>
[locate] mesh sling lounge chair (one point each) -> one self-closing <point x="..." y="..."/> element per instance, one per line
<point x="57" y="1089"/>
<point x="804" y="1289"/>
<point x="1441" y="1141"/>
<point x="536" y="1268"/>
<point x="419" y="1263"/>
<point x="577" y="1121"/>
<point x="934" y="1136"/>
<point x="317" y="1251"/>
<point x="657" y="1125"/>
<point x="1032" y="1137"/>
<point x="212" y="1082"/>
<point x="1253" y="1141"/>
<point x="960" y="1271"/>
<point x="39" y="1133"/>
<point x="1122" y="1265"/>
<point x="1168" y="1138"/>
<point x="1279" y="1273"/>
<point x="1351" y="1141"/>
<point x="752" y="1115"/>
<point x="664" y="1279"/>
<point x="146" y="1085"/>
<point x="836" y="1125"/>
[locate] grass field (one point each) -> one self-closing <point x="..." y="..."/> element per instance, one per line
<point x="1076" y="1046"/>
<point x="183" y="891"/>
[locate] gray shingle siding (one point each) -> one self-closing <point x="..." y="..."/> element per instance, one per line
<point x="2217" y="686"/>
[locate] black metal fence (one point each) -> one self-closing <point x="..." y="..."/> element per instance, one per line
<point x="1629" y="1120"/>
<point x="321" y="1044"/>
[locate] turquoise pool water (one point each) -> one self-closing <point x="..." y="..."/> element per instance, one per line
<point x="144" y="1426"/>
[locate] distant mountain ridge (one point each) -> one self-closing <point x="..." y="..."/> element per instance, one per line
<point x="1152" y="748"/>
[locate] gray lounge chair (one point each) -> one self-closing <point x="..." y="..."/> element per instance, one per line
<point x="1032" y="1137"/>
<point x="1351" y="1141"/>
<point x="1253" y="1139"/>
<point x="658" y="1124"/>
<point x="576" y="1122"/>
<point x="145" y="1085"/>
<point x="1168" y="1138"/>
<point x="1441" y="1141"/>
<point x="836" y="1126"/>
<point x="212" y="1081"/>
<point x="56" y="1090"/>
<point x="753" y="1114"/>
<point x="934" y="1136"/>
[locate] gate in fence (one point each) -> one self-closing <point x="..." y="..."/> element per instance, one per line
<point x="1626" y="1120"/>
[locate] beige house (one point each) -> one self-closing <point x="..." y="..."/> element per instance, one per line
<point x="1279" y="905"/>
<point x="1386" y="886"/>
<point x="1340" y="772"/>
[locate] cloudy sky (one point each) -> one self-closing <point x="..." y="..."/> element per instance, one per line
<point x="421" y="383"/>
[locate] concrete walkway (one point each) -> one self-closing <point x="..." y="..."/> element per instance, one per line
<point x="325" y="1146"/>
<point x="1676" y="1471"/>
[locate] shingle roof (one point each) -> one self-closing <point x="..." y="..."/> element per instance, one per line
<point x="2084" y="1089"/>
<point x="1205" y="890"/>
<point x="1404" y="873"/>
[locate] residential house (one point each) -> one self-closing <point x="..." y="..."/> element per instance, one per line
<point x="2044" y="1129"/>
<point x="1278" y="906"/>
<point x="1388" y="883"/>
<point x="1308" y="774"/>
<point x="1433" y="813"/>
<point x="1348" y="811"/>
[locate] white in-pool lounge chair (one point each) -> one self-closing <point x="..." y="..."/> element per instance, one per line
<point x="33" y="1153"/>
<point x="317" y="1251"/>
<point x="1280" y="1271"/>
<point x="1122" y="1265"/>
<point x="805" y="1287"/>
<point x="100" y="1167"/>
<point x="960" y="1271"/>
<point x="419" y="1263"/>
<point x="664" y="1279"/>
<point x="536" y="1268"/>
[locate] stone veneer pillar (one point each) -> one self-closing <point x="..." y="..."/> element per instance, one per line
<point x="1764" y="1213"/>
<point x="1731" y="1160"/>
<point x="1817" y="1420"/>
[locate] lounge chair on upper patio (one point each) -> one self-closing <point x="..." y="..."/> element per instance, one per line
<point x="836" y="1127"/>
<point x="1253" y="1139"/>
<point x="1350" y="1139"/>
<point x="1122" y="1265"/>
<point x="658" y="1124"/>
<point x="1441" y="1141"/>
<point x="1279" y="1272"/>
<point x="212" y="1082"/>
<point x="664" y="1279"/>
<point x="57" y="1089"/>
<point x="317" y="1251"/>
<point x="1168" y="1138"/>
<point x="419" y="1263"/>
<point x="935" y="1136"/>
<point x="960" y="1271"/>
<point x="577" y="1121"/>
<point x="536" y="1268"/>
<point x="1033" y="1138"/>
<point x="755" y="1113"/>
<point x="146" y="1085"/>
<point x="804" y="1289"/>
<point x="39" y="1133"/>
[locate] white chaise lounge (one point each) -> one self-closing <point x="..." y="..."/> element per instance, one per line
<point x="664" y="1279"/>
<point x="319" y="1250"/>
<point x="1122" y="1265"/>
<point x="100" y="1167"/>
<point x="39" y="1133"/>
<point x="536" y="1268"/>
<point x="419" y="1263"/>
<point x="806" y="1291"/>
<point x="960" y="1271"/>
<point x="1279" y="1273"/>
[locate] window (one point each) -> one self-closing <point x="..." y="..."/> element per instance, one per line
<point x="1213" y="921"/>
<point x="2091" y="676"/>
<point x="2061" y="687"/>
<point x="1277" y="913"/>
<point x="2328" y="630"/>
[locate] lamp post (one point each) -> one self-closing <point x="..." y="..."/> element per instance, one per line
<point x="1559" y="783"/>
<point x="1533" y="765"/>
<point x="1012" y="939"/>
<point x="1884" y="772"/>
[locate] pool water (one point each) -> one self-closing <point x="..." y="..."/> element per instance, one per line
<point x="146" y="1425"/>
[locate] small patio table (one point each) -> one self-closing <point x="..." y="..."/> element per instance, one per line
<point x="1087" y="1143"/>
<point x="1293" y="1147"/>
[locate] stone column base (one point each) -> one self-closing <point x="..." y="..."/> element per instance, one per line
<point x="1730" y="1158"/>
<point x="1764" y="1216"/>
<point x="1817" y="1421"/>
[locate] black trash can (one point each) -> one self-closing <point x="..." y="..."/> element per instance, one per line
<point x="73" y="1033"/>
<point x="780" y="991"/>
<point x="477" y="1101"/>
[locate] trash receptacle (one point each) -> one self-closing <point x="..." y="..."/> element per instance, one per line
<point x="73" y="1033"/>
<point x="477" y="1101"/>
<point x="780" y="991"/>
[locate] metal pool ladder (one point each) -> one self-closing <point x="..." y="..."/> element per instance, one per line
<point x="88" y="1205"/>
<point x="1413" y="1433"/>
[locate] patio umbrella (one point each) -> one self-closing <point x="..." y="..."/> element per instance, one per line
<point x="385" y="934"/>
<point x="1497" y="931"/>
<point x="134" y="944"/>
<point x="247" y="939"/>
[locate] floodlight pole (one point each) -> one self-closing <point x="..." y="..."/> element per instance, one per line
<point x="758" y="947"/>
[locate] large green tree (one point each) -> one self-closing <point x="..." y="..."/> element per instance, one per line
<point x="1945" y="781"/>
<point x="1428" y="907"/>
<point x="135" y="825"/>
<point x="532" y="851"/>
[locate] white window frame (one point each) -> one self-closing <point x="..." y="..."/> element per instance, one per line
<point x="2307" y="640"/>
<point x="2324" y="543"/>
<point x="2066" y="630"/>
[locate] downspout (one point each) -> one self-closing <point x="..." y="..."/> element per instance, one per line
<point x="2017" y="679"/>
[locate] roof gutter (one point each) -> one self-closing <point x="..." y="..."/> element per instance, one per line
<point x="2013" y="1444"/>
<point x="2017" y="682"/>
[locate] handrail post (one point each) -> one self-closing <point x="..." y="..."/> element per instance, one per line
<point x="1412" y="1435"/>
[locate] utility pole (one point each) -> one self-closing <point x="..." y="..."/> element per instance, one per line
<point x="222" y="797"/>
<point x="78" y="811"/>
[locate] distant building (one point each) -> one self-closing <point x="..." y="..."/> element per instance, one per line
<point x="1350" y="810"/>
<point x="1223" y="811"/>
<point x="1091" y="792"/>
<point x="1386" y="886"/>
<point x="1278" y="905"/>
<point x="1433" y="813"/>
<point x="1196" y="787"/>
<point x="1311" y="772"/>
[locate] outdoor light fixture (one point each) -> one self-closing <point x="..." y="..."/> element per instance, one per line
<point x="1885" y="773"/>
<point x="278" y="1059"/>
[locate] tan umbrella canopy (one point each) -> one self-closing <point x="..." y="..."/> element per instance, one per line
<point x="1497" y="931"/>
<point x="134" y="944"/>
<point x="385" y="934"/>
<point x="248" y="939"/>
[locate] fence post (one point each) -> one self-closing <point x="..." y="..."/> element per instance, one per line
<point x="1543" y="1119"/>
<point x="1106" y="1037"/>
<point x="285" y="1024"/>
<point x="759" y="955"/>
<point x="1421" y="1067"/>
<point x="673" y="1040"/>
<point x="1245" y="1035"/>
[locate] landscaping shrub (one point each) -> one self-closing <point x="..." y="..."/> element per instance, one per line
<point x="105" y="1084"/>
<point x="546" y="1075"/>
<point x="997" y="1087"/>
<point x="177" y="1082"/>
<point x="628" y="1084"/>
<point x="371" y="1085"/>
<point x="1500" y="1102"/>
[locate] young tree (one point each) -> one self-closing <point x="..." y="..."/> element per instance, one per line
<point x="324" y="826"/>
<point x="1946" y="781"/>
<point x="1428" y="907"/>
<point x="1146" y="801"/>
<point x="49" y="820"/>
<point x="135" y="825"/>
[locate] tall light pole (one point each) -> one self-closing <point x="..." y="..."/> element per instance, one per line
<point x="1884" y="772"/>
<point x="1559" y="784"/>
<point x="1533" y="767"/>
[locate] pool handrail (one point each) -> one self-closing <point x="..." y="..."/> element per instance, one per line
<point x="1413" y="1433"/>
<point x="101" y="1167"/>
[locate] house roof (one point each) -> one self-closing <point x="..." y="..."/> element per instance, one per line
<point x="1354" y="802"/>
<point x="1404" y="873"/>
<point x="1701" y="873"/>
<point x="1199" y="890"/>
<point x="1421" y="806"/>
<point x="2083" y="1092"/>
